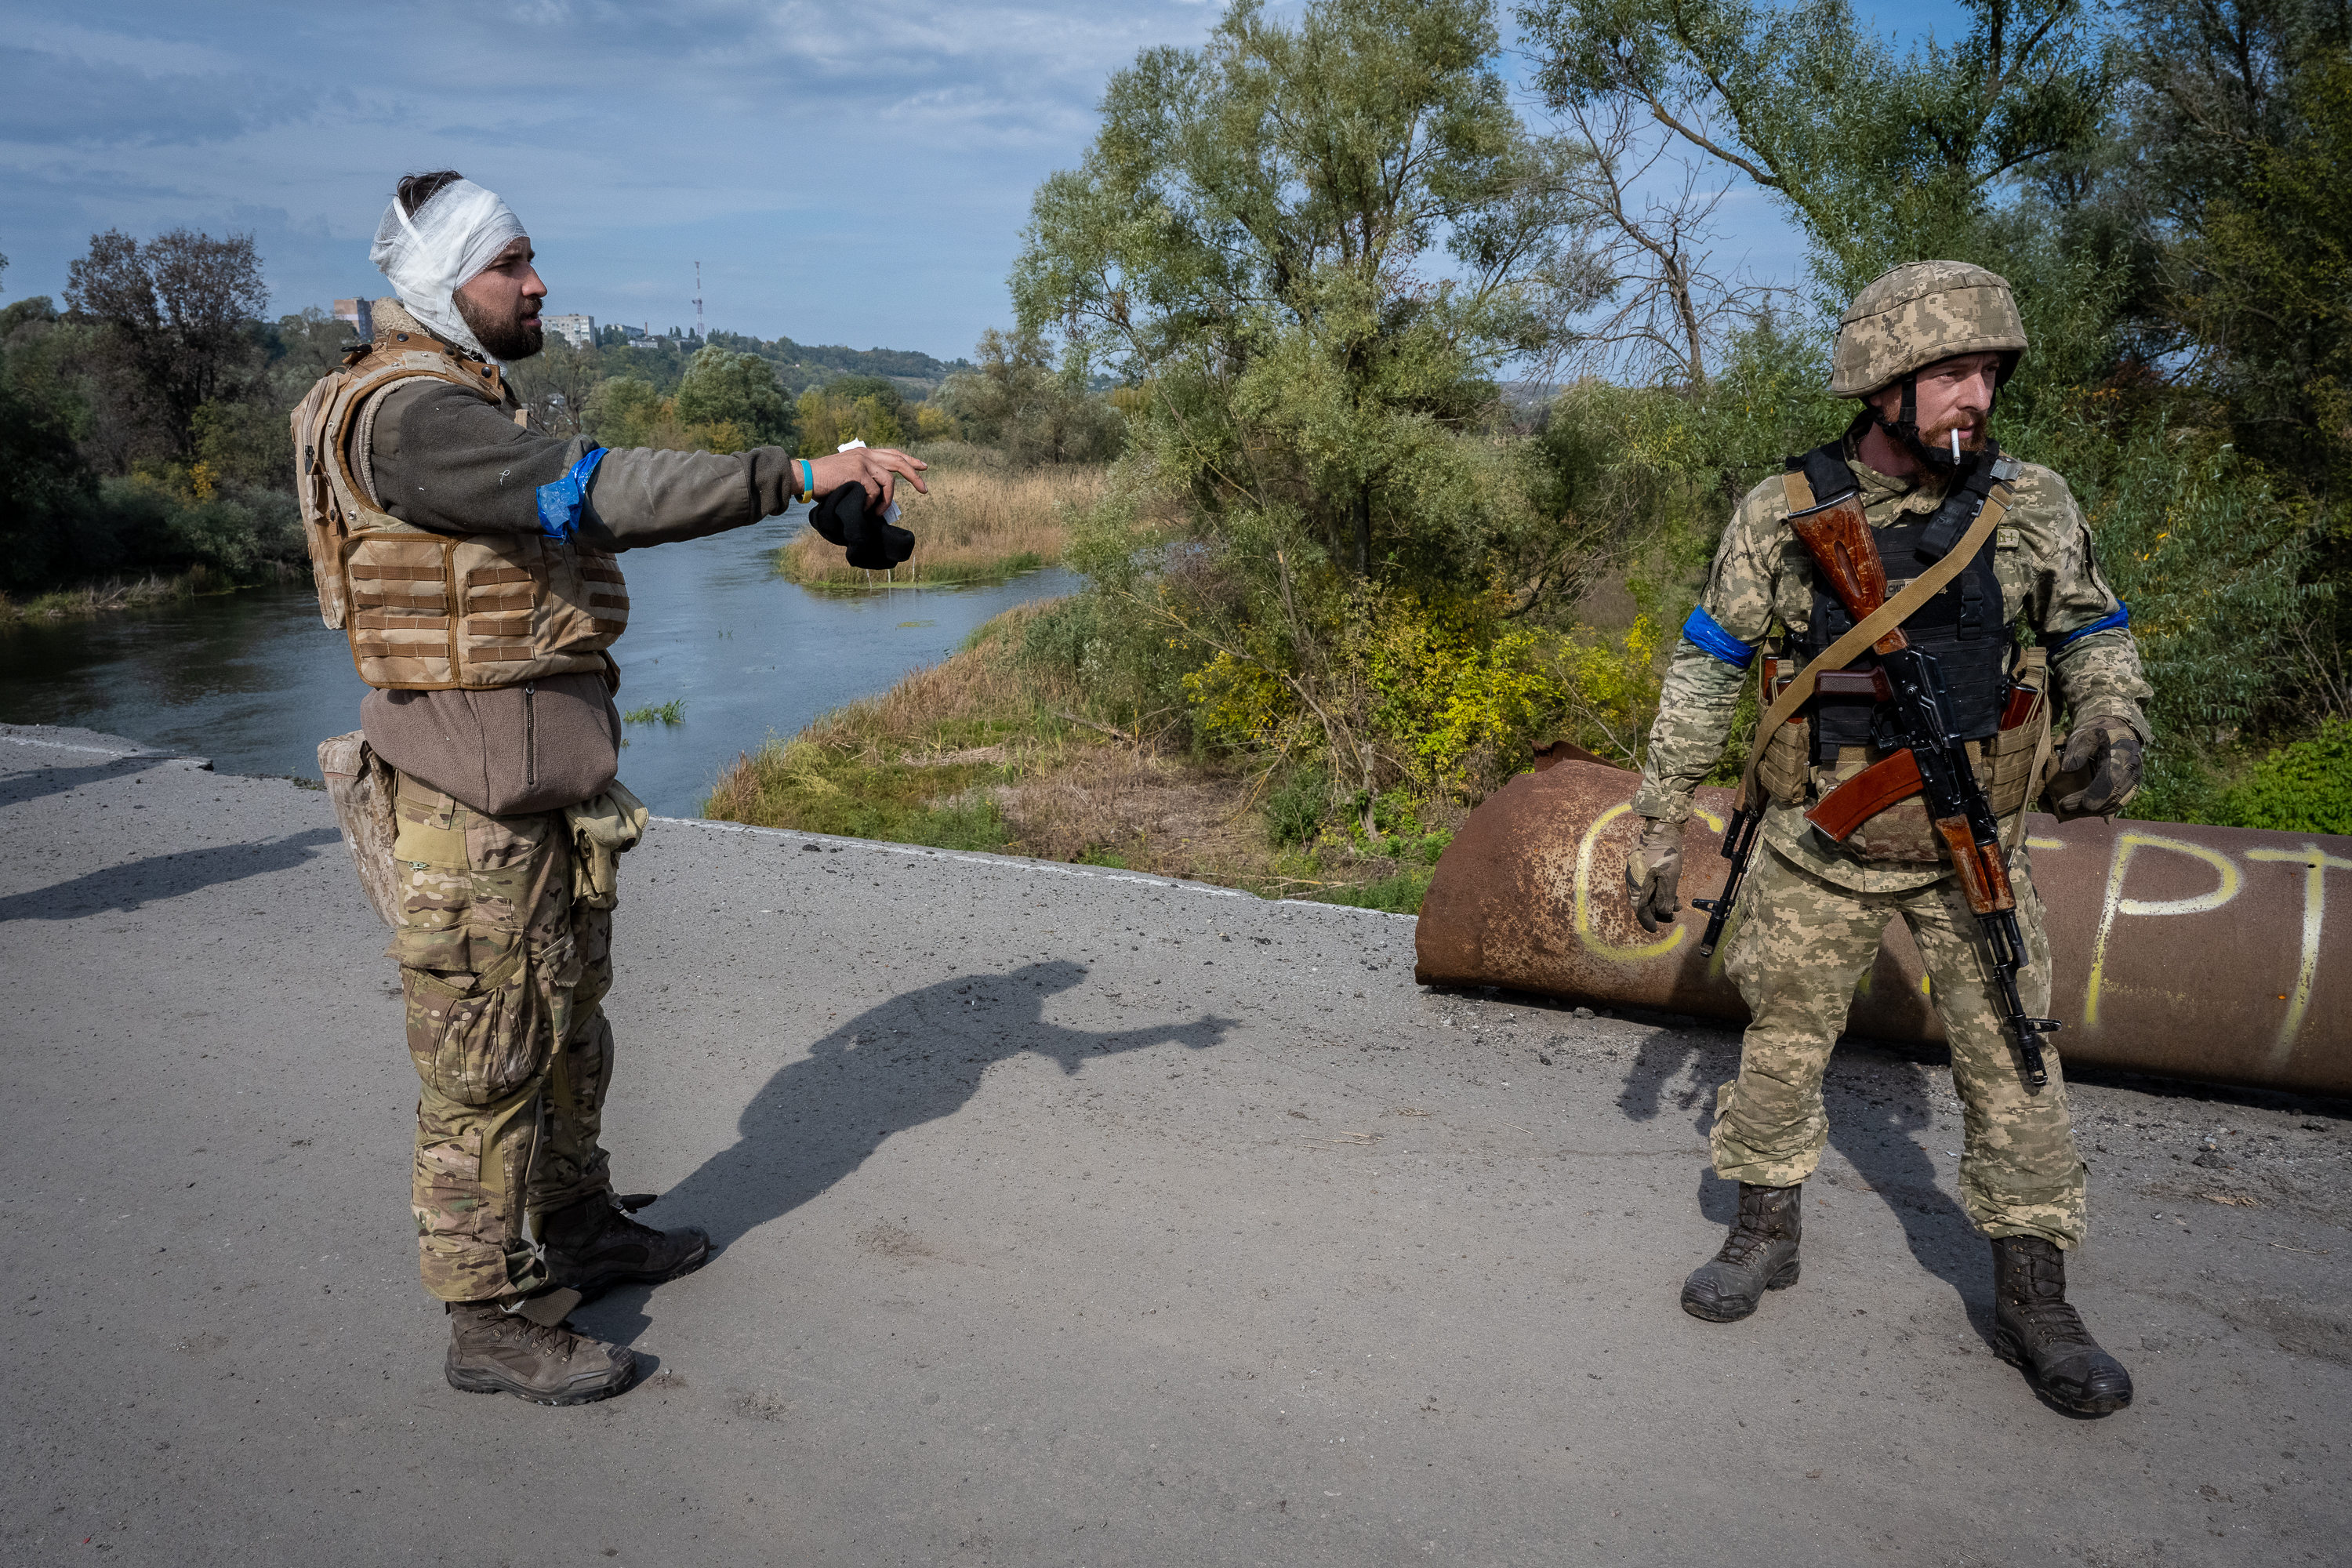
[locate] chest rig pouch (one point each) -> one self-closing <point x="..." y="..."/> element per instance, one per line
<point x="426" y="611"/>
<point x="1993" y="697"/>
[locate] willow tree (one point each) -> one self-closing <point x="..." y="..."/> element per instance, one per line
<point x="1314" y="242"/>
<point x="1880" y="157"/>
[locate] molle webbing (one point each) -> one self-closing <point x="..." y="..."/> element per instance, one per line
<point x="428" y="611"/>
<point x="1888" y="615"/>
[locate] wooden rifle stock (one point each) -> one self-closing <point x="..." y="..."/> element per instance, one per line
<point x="1984" y="875"/>
<point x="1837" y="534"/>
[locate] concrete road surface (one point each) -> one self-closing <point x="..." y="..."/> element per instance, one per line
<point x="1066" y="1217"/>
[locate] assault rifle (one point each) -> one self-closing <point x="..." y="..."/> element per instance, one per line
<point x="1928" y="759"/>
<point x="1738" y="840"/>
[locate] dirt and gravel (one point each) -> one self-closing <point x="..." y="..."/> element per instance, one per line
<point x="1067" y="1217"/>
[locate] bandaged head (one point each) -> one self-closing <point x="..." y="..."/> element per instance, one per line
<point x="430" y="254"/>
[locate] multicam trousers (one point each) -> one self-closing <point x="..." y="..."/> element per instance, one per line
<point x="503" y="973"/>
<point x="1802" y="946"/>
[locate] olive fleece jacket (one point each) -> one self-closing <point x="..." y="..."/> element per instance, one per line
<point x="441" y="458"/>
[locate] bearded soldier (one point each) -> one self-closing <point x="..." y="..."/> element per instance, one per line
<point x="1925" y="348"/>
<point x="471" y="559"/>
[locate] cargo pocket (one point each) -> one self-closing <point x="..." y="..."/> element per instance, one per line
<point x="477" y="1038"/>
<point x="435" y="889"/>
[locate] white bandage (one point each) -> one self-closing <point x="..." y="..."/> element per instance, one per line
<point x="447" y="243"/>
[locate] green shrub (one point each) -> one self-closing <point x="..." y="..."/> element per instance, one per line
<point x="1295" y="812"/>
<point x="2305" y="787"/>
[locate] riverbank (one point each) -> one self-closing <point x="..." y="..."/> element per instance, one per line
<point x="112" y="594"/>
<point x="986" y="751"/>
<point x="982" y="522"/>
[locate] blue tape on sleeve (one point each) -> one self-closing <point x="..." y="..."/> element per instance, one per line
<point x="1709" y="637"/>
<point x="2117" y="621"/>
<point x="560" y="503"/>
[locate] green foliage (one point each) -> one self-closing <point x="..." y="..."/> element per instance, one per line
<point x="721" y="386"/>
<point x="2240" y="130"/>
<point x="827" y="419"/>
<point x="245" y="443"/>
<point x="626" y="410"/>
<point x="1294" y="813"/>
<point x="670" y="713"/>
<point x="1317" y="473"/>
<point x="1398" y="894"/>
<point x="2305" y="787"/>
<point x="820" y="789"/>
<point x="1015" y="400"/>
<point x="1242" y="238"/>
<point x="48" y="492"/>
<point x="176" y="319"/>
<point x="1880" y="158"/>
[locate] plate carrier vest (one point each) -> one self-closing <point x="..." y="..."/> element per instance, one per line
<point x="433" y="612"/>
<point x="1965" y="626"/>
<point x="1996" y="693"/>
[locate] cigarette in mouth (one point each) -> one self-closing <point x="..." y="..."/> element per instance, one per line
<point x="1956" y="444"/>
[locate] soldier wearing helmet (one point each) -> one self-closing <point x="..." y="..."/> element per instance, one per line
<point x="1925" y="349"/>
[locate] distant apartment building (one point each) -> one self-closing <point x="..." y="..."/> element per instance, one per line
<point x="578" y="330"/>
<point x="357" y="313"/>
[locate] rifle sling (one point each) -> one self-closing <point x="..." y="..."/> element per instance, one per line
<point x="1871" y="627"/>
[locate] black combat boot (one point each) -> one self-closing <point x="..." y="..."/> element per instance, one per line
<point x="1759" y="1255"/>
<point x="593" y="1246"/>
<point x="493" y="1351"/>
<point x="2033" y="1328"/>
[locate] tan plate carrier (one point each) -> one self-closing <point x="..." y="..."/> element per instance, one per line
<point x="426" y="611"/>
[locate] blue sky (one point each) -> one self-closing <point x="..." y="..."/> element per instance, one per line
<point x="845" y="173"/>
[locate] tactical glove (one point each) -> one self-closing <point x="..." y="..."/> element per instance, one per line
<point x="2099" y="770"/>
<point x="1654" y="873"/>
<point x="842" y="518"/>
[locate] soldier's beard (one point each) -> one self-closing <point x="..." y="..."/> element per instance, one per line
<point x="1936" y="445"/>
<point x="502" y="337"/>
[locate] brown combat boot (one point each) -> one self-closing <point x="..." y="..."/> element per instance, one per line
<point x="2033" y="1328"/>
<point x="493" y="1351"/>
<point x="1759" y="1255"/>
<point x="593" y="1246"/>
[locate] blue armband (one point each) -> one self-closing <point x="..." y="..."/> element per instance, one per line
<point x="1707" y="637"/>
<point x="560" y="503"/>
<point x="2119" y="621"/>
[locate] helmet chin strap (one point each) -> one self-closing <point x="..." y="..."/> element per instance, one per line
<point x="1904" y="429"/>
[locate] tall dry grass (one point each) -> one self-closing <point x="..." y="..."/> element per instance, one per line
<point x="979" y="523"/>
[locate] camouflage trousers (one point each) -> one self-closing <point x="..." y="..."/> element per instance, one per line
<point x="1802" y="946"/>
<point x="503" y="973"/>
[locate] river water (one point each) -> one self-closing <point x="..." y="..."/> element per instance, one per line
<point x="253" y="681"/>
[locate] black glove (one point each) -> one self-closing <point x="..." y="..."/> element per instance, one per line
<point x="1654" y="873"/>
<point x="2099" y="769"/>
<point x="842" y="518"/>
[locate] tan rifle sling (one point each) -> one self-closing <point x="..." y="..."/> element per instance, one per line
<point x="1871" y="627"/>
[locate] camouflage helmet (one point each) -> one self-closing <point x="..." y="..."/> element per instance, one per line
<point x="1911" y="316"/>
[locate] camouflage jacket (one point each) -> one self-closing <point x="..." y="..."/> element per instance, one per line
<point x="1762" y="582"/>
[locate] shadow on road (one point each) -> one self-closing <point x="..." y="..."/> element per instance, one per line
<point x="1877" y="1100"/>
<point x="137" y="882"/>
<point x="35" y="781"/>
<point x="914" y="1058"/>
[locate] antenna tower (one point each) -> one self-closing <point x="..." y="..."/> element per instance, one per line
<point x="698" y="332"/>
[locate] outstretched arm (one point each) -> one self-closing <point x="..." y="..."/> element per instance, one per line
<point x="878" y="468"/>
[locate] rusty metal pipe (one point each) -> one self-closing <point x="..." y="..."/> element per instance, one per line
<point x="2219" y="953"/>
